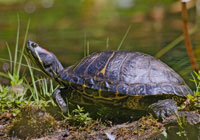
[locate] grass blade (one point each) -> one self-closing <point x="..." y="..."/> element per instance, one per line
<point x="173" y="44"/>
<point x="4" y="75"/>
<point x="124" y="37"/>
<point x="10" y="56"/>
<point x="24" y="44"/>
<point x="84" y="45"/>
<point x="2" y="59"/>
<point x="88" y="48"/>
<point x="17" y="43"/>
<point x="33" y="80"/>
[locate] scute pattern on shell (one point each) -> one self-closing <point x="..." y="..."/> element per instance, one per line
<point x="126" y="73"/>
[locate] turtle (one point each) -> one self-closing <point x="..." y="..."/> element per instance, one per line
<point x="120" y="79"/>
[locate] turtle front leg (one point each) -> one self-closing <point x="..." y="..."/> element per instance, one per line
<point x="63" y="104"/>
<point x="164" y="108"/>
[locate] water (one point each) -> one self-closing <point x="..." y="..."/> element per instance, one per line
<point x="66" y="27"/>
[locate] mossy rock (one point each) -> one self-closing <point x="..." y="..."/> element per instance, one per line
<point x="32" y="122"/>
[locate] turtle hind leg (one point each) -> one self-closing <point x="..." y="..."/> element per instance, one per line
<point x="164" y="108"/>
<point x="60" y="101"/>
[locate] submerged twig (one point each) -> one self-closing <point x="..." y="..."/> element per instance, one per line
<point x="187" y="40"/>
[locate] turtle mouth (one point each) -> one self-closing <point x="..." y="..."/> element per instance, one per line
<point x="31" y="49"/>
<point x="33" y="56"/>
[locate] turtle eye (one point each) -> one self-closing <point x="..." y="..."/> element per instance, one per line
<point x="34" y="45"/>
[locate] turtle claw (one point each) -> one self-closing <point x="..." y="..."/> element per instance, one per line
<point x="59" y="100"/>
<point x="164" y="108"/>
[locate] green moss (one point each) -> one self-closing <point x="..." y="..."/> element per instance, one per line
<point x="32" y="122"/>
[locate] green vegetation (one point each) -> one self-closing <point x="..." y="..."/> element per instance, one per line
<point x="10" y="101"/>
<point x="182" y="124"/>
<point x="193" y="101"/>
<point x="79" y="117"/>
<point x="196" y="97"/>
<point x="21" y="92"/>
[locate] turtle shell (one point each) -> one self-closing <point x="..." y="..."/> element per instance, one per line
<point x="115" y="73"/>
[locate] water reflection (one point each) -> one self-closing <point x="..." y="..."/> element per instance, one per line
<point x="29" y="7"/>
<point x="47" y="3"/>
<point x="125" y="3"/>
<point x="63" y="27"/>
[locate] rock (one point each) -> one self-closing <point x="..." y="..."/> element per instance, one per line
<point x="32" y="122"/>
<point x="145" y="128"/>
<point x="191" y="118"/>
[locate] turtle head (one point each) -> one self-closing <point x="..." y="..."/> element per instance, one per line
<point x="46" y="60"/>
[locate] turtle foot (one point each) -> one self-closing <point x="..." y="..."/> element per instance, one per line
<point x="59" y="100"/>
<point x="164" y="108"/>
